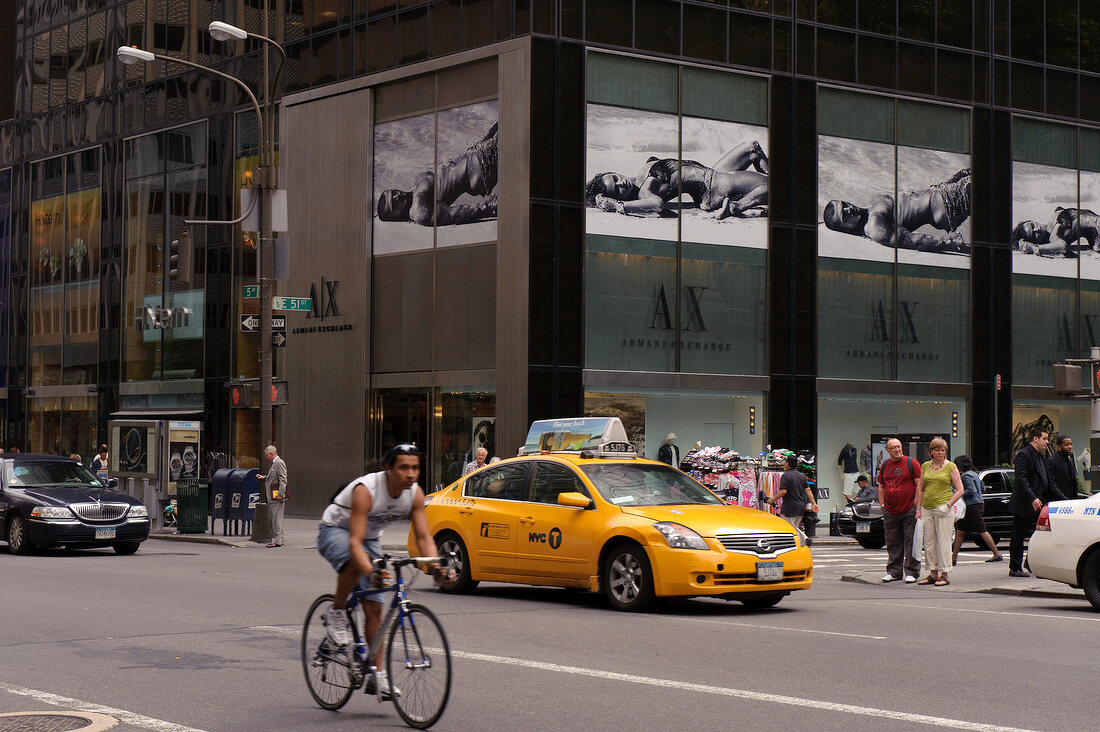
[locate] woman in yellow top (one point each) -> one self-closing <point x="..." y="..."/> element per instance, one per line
<point x="942" y="487"/>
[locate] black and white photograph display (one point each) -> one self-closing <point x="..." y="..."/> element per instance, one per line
<point x="435" y="179"/>
<point x="640" y="184"/>
<point x="926" y="220"/>
<point x="1051" y="231"/>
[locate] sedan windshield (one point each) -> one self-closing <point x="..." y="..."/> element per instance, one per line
<point x="626" y="484"/>
<point x="25" y="474"/>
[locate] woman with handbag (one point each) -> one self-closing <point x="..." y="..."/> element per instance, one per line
<point x="940" y="490"/>
<point x="973" y="521"/>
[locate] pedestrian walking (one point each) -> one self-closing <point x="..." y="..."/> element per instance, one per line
<point x="1031" y="489"/>
<point x="941" y="487"/>
<point x="899" y="480"/>
<point x="275" y="490"/>
<point x="973" y="521"/>
<point x="795" y="491"/>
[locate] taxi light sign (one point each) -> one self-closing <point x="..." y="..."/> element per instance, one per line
<point x="602" y="435"/>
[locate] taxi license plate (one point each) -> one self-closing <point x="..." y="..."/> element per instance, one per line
<point x="104" y="533"/>
<point x="863" y="528"/>
<point x="769" y="571"/>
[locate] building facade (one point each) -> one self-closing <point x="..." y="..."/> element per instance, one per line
<point x="747" y="223"/>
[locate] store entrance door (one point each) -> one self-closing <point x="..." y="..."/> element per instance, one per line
<point x="402" y="415"/>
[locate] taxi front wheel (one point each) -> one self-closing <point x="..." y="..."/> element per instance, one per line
<point x="447" y="542"/>
<point x="627" y="579"/>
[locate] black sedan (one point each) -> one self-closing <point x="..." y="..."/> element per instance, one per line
<point x="862" y="520"/>
<point x="48" y="501"/>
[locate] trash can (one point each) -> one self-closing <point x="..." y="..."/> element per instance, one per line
<point x="192" y="499"/>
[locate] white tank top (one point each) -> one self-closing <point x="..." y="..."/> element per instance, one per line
<point x="384" y="508"/>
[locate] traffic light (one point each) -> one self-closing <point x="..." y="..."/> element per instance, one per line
<point x="179" y="259"/>
<point x="240" y="396"/>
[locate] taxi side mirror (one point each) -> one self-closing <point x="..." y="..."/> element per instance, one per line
<point x="575" y="499"/>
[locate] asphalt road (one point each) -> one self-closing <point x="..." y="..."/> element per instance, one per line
<point x="183" y="637"/>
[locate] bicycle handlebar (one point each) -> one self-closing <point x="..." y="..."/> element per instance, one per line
<point x="385" y="560"/>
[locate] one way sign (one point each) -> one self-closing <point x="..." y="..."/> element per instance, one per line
<point x="251" y="323"/>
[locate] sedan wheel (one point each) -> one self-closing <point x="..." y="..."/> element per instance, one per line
<point x="627" y="579"/>
<point x="18" y="540"/>
<point x="871" y="543"/>
<point x="126" y="547"/>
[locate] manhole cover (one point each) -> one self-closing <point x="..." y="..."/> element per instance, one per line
<point x="55" y="722"/>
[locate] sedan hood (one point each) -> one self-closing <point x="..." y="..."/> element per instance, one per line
<point x="713" y="520"/>
<point x="63" y="495"/>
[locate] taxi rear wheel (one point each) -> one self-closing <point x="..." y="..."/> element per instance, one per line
<point x="627" y="579"/>
<point x="1090" y="579"/>
<point x="446" y="542"/>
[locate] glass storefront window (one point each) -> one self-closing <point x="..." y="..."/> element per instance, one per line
<point x="467" y="419"/>
<point x="676" y="218"/>
<point x="729" y="419"/>
<point x="894" y="197"/>
<point x="66" y="217"/>
<point x="166" y="184"/>
<point x="63" y="426"/>
<point x="851" y="419"/>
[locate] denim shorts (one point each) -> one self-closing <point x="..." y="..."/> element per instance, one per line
<point x="333" y="544"/>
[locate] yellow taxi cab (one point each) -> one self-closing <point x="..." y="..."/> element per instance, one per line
<point x="579" y="509"/>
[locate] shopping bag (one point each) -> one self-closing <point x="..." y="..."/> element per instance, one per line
<point x="918" y="538"/>
<point x="960" y="509"/>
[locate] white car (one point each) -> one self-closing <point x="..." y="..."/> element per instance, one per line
<point x="1066" y="545"/>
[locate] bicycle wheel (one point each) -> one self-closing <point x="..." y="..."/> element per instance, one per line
<point x="325" y="665"/>
<point x="418" y="661"/>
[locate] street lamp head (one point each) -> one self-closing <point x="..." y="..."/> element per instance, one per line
<point x="134" y="55"/>
<point x="220" y="31"/>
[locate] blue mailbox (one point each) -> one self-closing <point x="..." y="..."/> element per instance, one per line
<point x="235" y="492"/>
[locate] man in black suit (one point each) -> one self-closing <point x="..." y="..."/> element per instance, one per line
<point x="1063" y="468"/>
<point x="1032" y="487"/>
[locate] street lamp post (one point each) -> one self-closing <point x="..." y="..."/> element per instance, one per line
<point x="266" y="179"/>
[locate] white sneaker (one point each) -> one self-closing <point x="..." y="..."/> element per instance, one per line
<point x="382" y="686"/>
<point x="890" y="578"/>
<point x="336" y="626"/>
<point x="910" y="579"/>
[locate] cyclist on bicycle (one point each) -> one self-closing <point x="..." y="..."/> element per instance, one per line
<point x="349" y="537"/>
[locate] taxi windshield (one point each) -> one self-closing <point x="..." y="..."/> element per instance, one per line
<point x="50" y="473"/>
<point x="647" y="485"/>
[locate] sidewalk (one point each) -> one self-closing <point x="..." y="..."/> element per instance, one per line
<point x="973" y="574"/>
<point x="299" y="533"/>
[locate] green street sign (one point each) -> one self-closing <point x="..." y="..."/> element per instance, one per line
<point x="250" y="291"/>
<point x="291" y="303"/>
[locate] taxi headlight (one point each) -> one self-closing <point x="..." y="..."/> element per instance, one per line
<point x="802" y="540"/>
<point x="138" y="511"/>
<point x="51" y="512"/>
<point x="679" y="536"/>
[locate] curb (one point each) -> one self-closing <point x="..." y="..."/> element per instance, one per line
<point x="1022" y="592"/>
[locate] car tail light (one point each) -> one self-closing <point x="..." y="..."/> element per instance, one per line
<point x="1044" y="520"/>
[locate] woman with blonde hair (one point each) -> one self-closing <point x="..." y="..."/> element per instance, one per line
<point x="940" y="489"/>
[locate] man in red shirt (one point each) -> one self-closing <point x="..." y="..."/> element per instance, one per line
<point x="899" y="482"/>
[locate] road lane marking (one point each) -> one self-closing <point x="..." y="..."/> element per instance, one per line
<point x="743" y="694"/>
<point x="138" y="720"/>
<point x="780" y="627"/>
<point x="987" y="612"/>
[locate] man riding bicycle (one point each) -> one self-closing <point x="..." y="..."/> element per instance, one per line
<point x="350" y="538"/>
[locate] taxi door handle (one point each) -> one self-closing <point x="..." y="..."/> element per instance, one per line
<point x="527" y="519"/>
<point x="465" y="511"/>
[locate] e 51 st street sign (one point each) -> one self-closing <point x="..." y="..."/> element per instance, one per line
<point x="291" y="303"/>
<point x="251" y="323"/>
